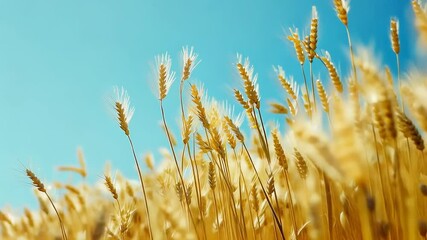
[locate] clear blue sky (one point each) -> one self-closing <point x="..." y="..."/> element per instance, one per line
<point x="60" y="59"/>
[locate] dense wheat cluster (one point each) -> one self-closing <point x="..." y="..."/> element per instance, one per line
<point x="346" y="160"/>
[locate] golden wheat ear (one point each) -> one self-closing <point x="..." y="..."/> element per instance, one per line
<point x="41" y="188"/>
<point x="110" y="186"/>
<point x="35" y="181"/>
<point x="420" y="13"/>
<point x="333" y="74"/>
<point x="342" y="7"/>
<point x="5" y="218"/>
<point x="81" y="170"/>
<point x="123" y="109"/>
<point x="294" y="38"/>
<point x="394" y="35"/>
<point x="189" y="59"/>
<point x="324" y="99"/>
<point x="249" y="81"/>
<point x="288" y="85"/>
<point x="165" y="77"/>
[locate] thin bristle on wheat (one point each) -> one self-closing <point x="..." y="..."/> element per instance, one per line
<point x="394" y="35"/>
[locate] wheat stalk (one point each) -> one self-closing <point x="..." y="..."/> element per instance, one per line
<point x="41" y="188"/>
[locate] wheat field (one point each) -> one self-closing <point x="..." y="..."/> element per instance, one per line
<point x="343" y="157"/>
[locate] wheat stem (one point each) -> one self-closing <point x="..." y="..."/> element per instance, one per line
<point x="312" y="87"/>
<point x="246" y="190"/>
<point x="306" y="86"/>
<point x="142" y="186"/>
<point x="177" y="166"/>
<point x="64" y="233"/>
<point x="350" y="46"/>
<point x="291" y="202"/>
<point x="265" y="193"/>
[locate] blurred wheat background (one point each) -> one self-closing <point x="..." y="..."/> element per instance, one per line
<point x="329" y="148"/>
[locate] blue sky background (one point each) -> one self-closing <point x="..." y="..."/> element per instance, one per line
<point x="59" y="60"/>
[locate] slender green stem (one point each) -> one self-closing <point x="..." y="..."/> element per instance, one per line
<point x="193" y="167"/>
<point x="263" y="137"/>
<point x="181" y="86"/>
<point x="350" y="46"/>
<point x="306" y="87"/>
<point x="195" y="174"/>
<point x="242" y="213"/>
<point x="399" y="83"/>
<point x="293" y="217"/>
<point x="143" y="187"/>
<point x="61" y="224"/>
<point x="246" y="191"/>
<point x="366" y="224"/>
<point x="265" y="134"/>
<point x="217" y="215"/>
<point x="121" y="218"/>
<point x="312" y="86"/>
<point x="265" y="193"/>
<point x="380" y="172"/>
<point x="275" y="195"/>
<point x="177" y="166"/>
<point x="328" y="205"/>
